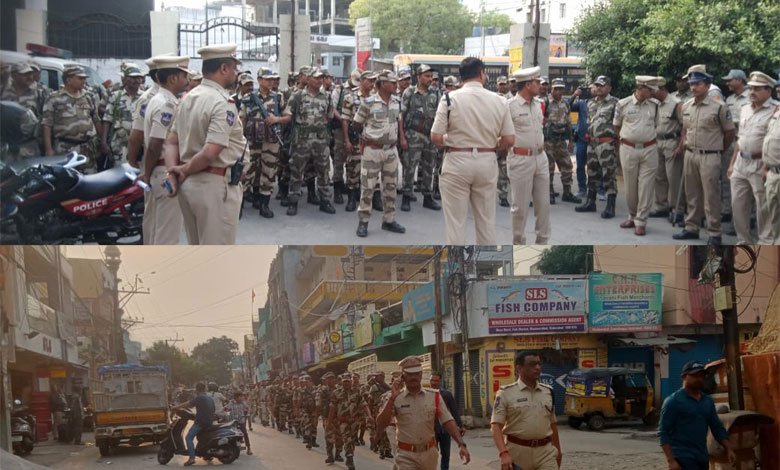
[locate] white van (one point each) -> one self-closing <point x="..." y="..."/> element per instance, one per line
<point x="51" y="67"/>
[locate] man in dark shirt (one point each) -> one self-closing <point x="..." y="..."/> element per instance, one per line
<point x="204" y="417"/>
<point x="685" y="416"/>
<point x="442" y="436"/>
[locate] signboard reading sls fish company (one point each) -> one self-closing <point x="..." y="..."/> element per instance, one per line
<point x="536" y="307"/>
<point x="625" y="302"/>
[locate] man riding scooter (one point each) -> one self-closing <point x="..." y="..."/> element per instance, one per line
<point x="204" y="416"/>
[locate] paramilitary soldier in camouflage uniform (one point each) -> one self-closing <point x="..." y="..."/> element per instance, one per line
<point x="23" y="90"/>
<point x="559" y="141"/>
<point x="338" y="98"/>
<point x="306" y="411"/>
<point x="418" y="109"/>
<point x="136" y="140"/>
<point x="311" y="113"/>
<point x="503" y="178"/>
<point x="347" y="409"/>
<point x="363" y="424"/>
<point x="70" y="119"/>
<point x="352" y="137"/>
<point x="118" y="118"/>
<point x="602" y="149"/>
<point x="378" y="118"/>
<point x="264" y="146"/>
<point x="376" y="393"/>
<point x="324" y="396"/>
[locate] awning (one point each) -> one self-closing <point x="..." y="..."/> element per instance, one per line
<point x="380" y="346"/>
<point x="657" y="341"/>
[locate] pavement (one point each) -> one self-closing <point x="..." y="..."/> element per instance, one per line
<point x="425" y="226"/>
<point x="615" y="448"/>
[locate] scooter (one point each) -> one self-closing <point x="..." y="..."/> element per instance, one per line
<point x="22" y="429"/>
<point x="218" y="440"/>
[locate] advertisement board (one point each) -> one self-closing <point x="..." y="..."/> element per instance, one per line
<point x="536" y="307"/>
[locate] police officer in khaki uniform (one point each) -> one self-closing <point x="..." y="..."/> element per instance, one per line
<point x="136" y="140"/>
<point x="208" y="139"/>
<point x="472" y="123"/>
<point x="668" y="177"/>
<point x="770" y="155"/>
<point x="736" y="81"/>
<point x="636" y="118"/>
<point x="523" y="423"/>
<point x="527" y="164"/>
<point x="415" y="409"/>
<point x="707" y="131"/>
<point x="162" y="216"/>
<point x="745" y="168"/>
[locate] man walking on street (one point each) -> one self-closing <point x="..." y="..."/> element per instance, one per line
<point x="685" y="417"/>
<point x="442" y="436"/>
<point x="57" y="405"/>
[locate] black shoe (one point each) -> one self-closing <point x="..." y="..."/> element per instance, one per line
<point x="503" y="202"/>
<point x="311" y="193"/>
<point x="265" y="211"/>
<point x="686" y="235"/>
<point x="552" y="199"/>
<point x="663" y="213"/>
<point x="393" y="227"/>
<point x="436" y="194"/>
<point x="350" y="464"/>
<point x="716" y="241"/>
<point x="555" y="193"/>
<point x="314" y="442"/>
<point x="430" y="203"/>
<point x="354" y="199"/>
<point x="406" y="203"/>
<point x="327" y="207"/>
<point x="376" y="202"/>
<point x="590" y="203"/>
<point x="329" y="460"/>
<point x="284" y="190"/>
<point x="609" y="211"/>
<point x="725" y="217"/>
<point x="362" y="230"/>
<point x="568" y="196"/>
<point x="389" y="454"/>
<point x="679" y="219"/>
<point x="338" y="458"/>
<point x="338" y="192"/>
<point x="292" y="208"/>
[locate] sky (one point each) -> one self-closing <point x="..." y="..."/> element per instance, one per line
<point x="195" y="291"/>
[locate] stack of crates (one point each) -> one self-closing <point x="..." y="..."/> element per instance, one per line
<point x="369" y="364"/>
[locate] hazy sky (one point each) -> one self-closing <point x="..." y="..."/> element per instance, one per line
<point x="195" y="291"/>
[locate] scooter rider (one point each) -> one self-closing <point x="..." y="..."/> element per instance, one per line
<point x="204" y="416"/>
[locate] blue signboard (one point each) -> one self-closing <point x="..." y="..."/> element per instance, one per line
<point x="625" y="302"/>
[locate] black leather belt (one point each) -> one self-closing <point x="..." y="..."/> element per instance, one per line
<point x="702" y="151"/>
<point x="673" y="135"/>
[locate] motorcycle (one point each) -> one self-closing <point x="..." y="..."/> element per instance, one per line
<point x="47" y="201"/>
<point x="218" y="440"/>
<point x="22" y="429"/>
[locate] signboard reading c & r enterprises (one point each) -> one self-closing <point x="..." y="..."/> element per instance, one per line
<point x="625" y="302"/>
<point x="536" y="307"/>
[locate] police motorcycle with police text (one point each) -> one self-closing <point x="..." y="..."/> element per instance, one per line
<point x="22" y="429"/>
<point x="220" y="441"/>
<point x="46" y="200"/>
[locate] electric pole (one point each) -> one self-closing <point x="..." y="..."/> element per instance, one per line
<point x="731" y="329"/>
<point x="536" y="34"/>
<point x="170" y="363"/>
<point x="437" y="299"/>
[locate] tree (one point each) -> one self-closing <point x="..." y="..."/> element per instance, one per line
<point x="500" y="22"/>
<point x="624" y="38"/>
<point x="182" y="368"/>
<point x="567" y="259"/>
<point x="217" y="355"/>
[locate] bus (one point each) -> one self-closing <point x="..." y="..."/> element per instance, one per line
<point x="568" y="68"/>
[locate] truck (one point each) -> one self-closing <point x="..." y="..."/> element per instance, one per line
<point x="131" y="406"/>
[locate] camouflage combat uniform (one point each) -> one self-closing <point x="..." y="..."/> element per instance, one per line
<point x="419" y="111"/>
<point x="375" y="402"/>
<point x="348" y="404"/>
<point x="338" y="98"/>
<point x="352" y="102"/>
<point x="307" y="407"/>
<point x="602" y="156"/>
<point x="119" y="113"/>
<point x="264" y="148"/>
<point x="557" y="129"/>
<point x="33" y="98"/>
<point x="324" y="396"/>
<point x="72" y="121"/>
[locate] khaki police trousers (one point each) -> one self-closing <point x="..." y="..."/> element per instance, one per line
<point x="210" y="207"/>
<point x="406" y="460"/>
<point x="747" y="187"/>
<point x="534" y="458"/>
<point x="469" y="179"/>
<point x="773" y="205"/>
<point x="702" y="191"/>
<point x="530" y="181"/>
<point x="668" y="177"/>
<point x="162" y="215"/>
<point x="639" y="171"/>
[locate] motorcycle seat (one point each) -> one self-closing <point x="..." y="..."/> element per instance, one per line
<point x="57" y="160"/>
<point x="214" y="427"/>
<point x="105" y="183"/>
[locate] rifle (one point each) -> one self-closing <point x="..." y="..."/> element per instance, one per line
<point x="264" y="113"/>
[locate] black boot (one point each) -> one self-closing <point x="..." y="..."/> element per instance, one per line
<point x="329" y="460"/>
<point x="552" y="198"/>
<point x="503" y="202"/>
<point x="311" y="193"/>
<point x="307" y="440"/>
<point x="376" y="201"/>
<point x="265" y="211"/>
<point x="362" y="230"/>
<point x="313" y="440"/>
<point x="417" y="186"/>
<point x="350" y="464"/>
<point x="568" y="196"/>
<point x="256" y="199"/>
<point x="352" y="202"/>
<point x="284" y="191"/>
<point x="292" y="208"/>
<point x="436" y="193"/>
<point x="590" y="203"/>
<point x="609" y="212"/>
<point x="338" y="458"/>
<point x="326" y="207"/>
<point x="338" y="192"/>
<point x="430" y="203"/>
<point x="406" y="203"/>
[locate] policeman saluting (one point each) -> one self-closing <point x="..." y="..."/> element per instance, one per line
<point x="523" y="422"/>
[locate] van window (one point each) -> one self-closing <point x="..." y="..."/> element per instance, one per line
<point x="50" y="78"/>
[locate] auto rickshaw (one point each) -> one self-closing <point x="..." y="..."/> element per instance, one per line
<point x="596" y="395"/>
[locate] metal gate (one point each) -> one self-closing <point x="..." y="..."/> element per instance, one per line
<point x="474" y="383"/>
<point x="256" y="41"/>
<point x="100" y="35"/>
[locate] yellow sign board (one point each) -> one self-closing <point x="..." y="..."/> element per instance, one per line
<point x="58" y="373"/>
<point x="364" y="332"/>
<point x="500" y="371"/>
<point x="515" y="59"/>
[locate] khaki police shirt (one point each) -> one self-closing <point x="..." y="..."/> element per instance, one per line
<point x="669" y="116"/>
<point x="771" y="149"/>
<point x="139" y="111"/>
<point x="159" y="117"/>
<point x="415" y="413"/>
<point x="206" y="116"/>
<point x="637" y="119"/>
<point x="475" y="118"/>
<point x="527" y="119"/>
<point x="736" y="102"/>
<point x="705" y="123"/>
<point x="753" y="126"/>
<point x="379" y="119"/>
<point x="526" y="413"/>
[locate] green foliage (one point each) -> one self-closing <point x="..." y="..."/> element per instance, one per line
<point x="624" y="38"/>
<point x="567" y="259"/>
<point x="494" y="19"/>
<point x="217" y="354"/>
<point x="182" y="368"/>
